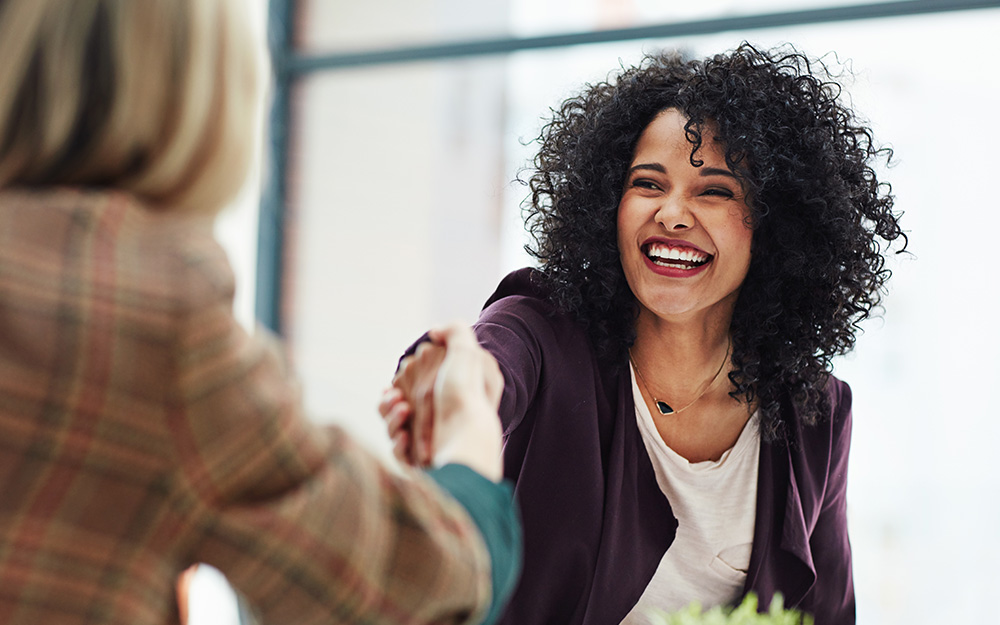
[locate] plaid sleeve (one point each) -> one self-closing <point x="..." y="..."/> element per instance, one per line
<point x="304" y="523"/>
<point x="489" y="505"/>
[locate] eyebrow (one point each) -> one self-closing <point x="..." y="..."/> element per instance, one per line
<point x="703" y="171"/>
<point x="652" y="166"/>
<point x="715" y="171"/>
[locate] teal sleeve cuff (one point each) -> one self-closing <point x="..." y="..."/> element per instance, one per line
<point x="493" y="509"/>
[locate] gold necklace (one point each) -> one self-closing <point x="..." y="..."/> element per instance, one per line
<point x="663" y="406"/>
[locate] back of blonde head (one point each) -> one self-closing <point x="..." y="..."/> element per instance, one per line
<point x="155" y="97"/>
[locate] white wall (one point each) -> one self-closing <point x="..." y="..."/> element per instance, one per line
<point x="394" y="200"/>
<point x="236" y="226"/>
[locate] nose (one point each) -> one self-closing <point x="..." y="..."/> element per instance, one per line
<point x="674" y="213"/>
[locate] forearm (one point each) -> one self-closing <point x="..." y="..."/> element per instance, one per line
<point x="477" y="446"/>
<point x="304" y="522"/>
<point x="492" y="508"/>
<point x="354" y="541"/>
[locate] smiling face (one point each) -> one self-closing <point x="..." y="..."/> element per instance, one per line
<point x="683" y="237"/>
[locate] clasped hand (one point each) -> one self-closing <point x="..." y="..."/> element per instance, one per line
<point x="442" y="406"/>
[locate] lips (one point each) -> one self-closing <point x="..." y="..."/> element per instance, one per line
<point x="673" y="256"/>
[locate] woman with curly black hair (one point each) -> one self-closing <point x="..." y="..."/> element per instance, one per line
<point x="709" y="235"/>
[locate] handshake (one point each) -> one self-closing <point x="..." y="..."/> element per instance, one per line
<point x="442" y="406"/>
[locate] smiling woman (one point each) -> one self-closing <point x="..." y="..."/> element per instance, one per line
<point x="709" y="233"/>
<point x="683" y="231"/>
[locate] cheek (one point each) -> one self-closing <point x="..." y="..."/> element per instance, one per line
<point x="633" y="212"/>
<point x="743" y="236"/>
<point x="744" y="245"/>
<point x="736" y="238"/>
<point x="739" y="229"/>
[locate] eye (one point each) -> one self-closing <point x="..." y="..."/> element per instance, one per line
<point x="645" y="183"/>
<point x="718" y="192"/>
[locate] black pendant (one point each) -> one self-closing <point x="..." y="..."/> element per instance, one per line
<point x="664" y="407"/>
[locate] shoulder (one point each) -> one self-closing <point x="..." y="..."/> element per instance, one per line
<point x="840" y="399"/>
<point x="519" y="324"/>
<point x="836" y="417"/>
<point x="100" y="291"/>
<point x="841" y="417"/>
<point x="180" y="253"/>
<point x="826" y="443"/>
<point x="524" y="282"/>
<point x="546" y="356"/>
<point x="836" y="426"/>
<point x="521" y="304"/>
<point x="173" y="261"/>
<point x="112" y="258"/>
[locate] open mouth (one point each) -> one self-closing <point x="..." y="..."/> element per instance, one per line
<point x="665" y="255"/>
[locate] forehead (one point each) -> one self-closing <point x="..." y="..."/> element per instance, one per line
<point x="665" y="135"/>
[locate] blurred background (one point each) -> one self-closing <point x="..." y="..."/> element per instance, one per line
<point x="385" y="203"/>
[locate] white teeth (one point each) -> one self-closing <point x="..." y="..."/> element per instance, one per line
<point x="662" y="252"/>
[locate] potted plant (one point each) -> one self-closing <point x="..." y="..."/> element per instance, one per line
<point x="744" y="614"/>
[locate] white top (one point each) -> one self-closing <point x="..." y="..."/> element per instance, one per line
<point x="715" y="505"/>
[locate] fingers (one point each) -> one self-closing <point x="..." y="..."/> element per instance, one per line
<point x="390" y="397"/>
<point x="436" y="390"/>
<point x="466" y="396"/>
<point x="398" y="418"/>
<point x="409" y="405"/>
<point x="396" y="413"/>
<point x="402" y="447"/>
<point x="428" y="358"/>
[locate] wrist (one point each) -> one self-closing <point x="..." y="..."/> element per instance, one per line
<point x="477" y="444"/>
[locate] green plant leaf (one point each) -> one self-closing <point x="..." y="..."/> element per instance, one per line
<point x="744" y="614"/>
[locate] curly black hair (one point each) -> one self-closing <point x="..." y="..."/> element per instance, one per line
<point x="821" y="218"/>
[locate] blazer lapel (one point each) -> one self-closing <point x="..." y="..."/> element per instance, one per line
<point x="781" y="560"/>
<point x="800" y="574"/>
<point x="639" y="524"/>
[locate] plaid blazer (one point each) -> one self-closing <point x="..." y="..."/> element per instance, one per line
<point x="142" y="430"/>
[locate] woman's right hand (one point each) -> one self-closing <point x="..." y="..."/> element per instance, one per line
<point x="443" y="404"/>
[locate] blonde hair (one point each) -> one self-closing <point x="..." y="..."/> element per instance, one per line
<point x="156" y="97"/>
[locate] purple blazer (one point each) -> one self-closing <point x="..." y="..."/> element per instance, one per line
<point x="595" y="521"/>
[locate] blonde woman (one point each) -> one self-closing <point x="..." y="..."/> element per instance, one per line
<point x="141" y="429"/>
